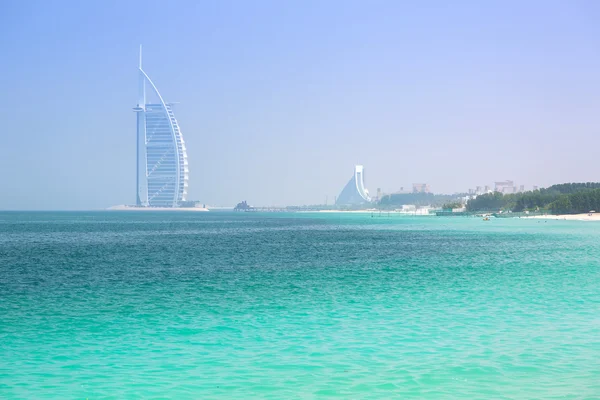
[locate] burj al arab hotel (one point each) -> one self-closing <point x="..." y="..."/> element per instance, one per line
<point x="162" y="166"/>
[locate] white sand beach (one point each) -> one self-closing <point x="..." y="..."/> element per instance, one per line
<point x="569" y="217"/>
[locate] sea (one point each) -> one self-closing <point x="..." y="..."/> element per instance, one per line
<point x="225" y="305"/>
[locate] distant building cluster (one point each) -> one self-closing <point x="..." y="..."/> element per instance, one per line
<point x="355" y="192"/>
<point x="420" y="188"/>
<point x="504" y="187"/>
<point x="507" y="187"/>
<point x="416" y="188"/>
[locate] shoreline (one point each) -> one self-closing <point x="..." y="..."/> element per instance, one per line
<point x="130" y="208"/>
<point x="411" y="213"/>
<point x="568" y="217"/>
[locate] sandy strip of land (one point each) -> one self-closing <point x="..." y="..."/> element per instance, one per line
<point x="569" y="217"/>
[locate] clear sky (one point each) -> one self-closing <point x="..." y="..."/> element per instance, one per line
<point x="279" y="99"/>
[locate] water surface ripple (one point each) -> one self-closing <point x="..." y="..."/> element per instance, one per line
<point x="283" y="306"/>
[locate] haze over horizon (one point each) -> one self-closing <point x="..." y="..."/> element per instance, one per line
<point x="278" y="102"/>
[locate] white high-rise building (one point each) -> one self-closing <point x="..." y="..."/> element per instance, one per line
<point x="162" y="166"/>
<point x="354" y="193"/>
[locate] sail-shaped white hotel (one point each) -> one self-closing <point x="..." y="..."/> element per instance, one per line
<point x="355" y="192"/>
<point x="162" y="166"/>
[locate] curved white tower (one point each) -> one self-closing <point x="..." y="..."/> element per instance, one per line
<point x="162" y="166"/>
<point x="354" y="193"/>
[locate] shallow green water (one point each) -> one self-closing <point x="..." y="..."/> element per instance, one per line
<point x="283" y="306"/>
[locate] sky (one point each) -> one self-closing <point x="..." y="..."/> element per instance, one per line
<point x="278" y="100"/>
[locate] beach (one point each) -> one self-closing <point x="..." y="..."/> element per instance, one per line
<point x="568" y="217"/>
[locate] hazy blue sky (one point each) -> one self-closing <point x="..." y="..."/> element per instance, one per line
<point x="279" y="99"/>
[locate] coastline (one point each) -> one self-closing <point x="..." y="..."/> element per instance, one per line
<point x="412" y="213"/>
<point x="568" y="217"/>
<point x="130" y="208"/>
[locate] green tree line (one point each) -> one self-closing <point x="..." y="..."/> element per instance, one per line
<point x="565" y="198"/>
<point x="576" y="203"/>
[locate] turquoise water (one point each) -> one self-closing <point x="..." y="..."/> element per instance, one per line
<point x="284" y="306"/>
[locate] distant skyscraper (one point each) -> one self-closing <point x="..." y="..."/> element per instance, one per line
<point x="162" y="166"/>
<point x="354" y="193"/>
<point x="420" y="188"/>
<point x="505" y="187"/>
